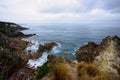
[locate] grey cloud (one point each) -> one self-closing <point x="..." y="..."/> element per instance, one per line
<point x="108" y="5"/>
<point x="111" y="5"/>
<point x="88" y="5"/>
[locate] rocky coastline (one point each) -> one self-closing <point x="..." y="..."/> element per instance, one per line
<point x="13" y="58"/>
<point x="94" y="61"/>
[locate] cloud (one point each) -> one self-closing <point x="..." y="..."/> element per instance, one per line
<point x="59" y="10"/>
<point x="111" y="5"/>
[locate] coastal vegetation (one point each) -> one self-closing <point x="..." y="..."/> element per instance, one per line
<point x="87" y="71"/>
<point x="94" y="61"/>
<point x="44" y="69"/>
<point x="60" y="71"/>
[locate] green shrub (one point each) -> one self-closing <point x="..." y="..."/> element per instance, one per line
<point x="115" y="37"/>
<point x="42" y="71"/>
<point x="3" y="31"/>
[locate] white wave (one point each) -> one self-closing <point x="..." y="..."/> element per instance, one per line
<point x="34" y="63"/>
<point x="55" y="50"/>
<point x="32" y="46"/>
<point x="85" y="43"/>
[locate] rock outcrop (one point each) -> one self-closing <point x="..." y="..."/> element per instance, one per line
<point x="85" y="53"/>
<point x="105" y="55"/>
<point x="24" y="73"/>
<point x="95" y="61"/>
<point x="109" y="57"/>
<point x="13" y="59"/>
<point x="44" y="48"/>
<point x="53" y="59"/>
<point x="11" y="50"/>
<point x="12" y="30"/>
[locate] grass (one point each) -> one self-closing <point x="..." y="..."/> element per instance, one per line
<point x="61" y="72"/>
<point x="42" y="71"/>
<point x="90" y="72"/>
<point x="102" y="77"/>
<point x="98" y="77"/>
<point x="85" y="68"/>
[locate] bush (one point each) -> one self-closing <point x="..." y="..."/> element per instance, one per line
<point x="61" y="72"/>
<point x="42" y="71"/>
<point x="90" y="72"/>
<point x="98" y="77"/>
<point x="89" y="69"/>
<point x="115" y="37"/>
<point x="3" y="31"/>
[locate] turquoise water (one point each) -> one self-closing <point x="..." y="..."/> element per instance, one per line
<point x="70" y="37"/>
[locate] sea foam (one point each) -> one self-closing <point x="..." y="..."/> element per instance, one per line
<point x="34" y="63"/>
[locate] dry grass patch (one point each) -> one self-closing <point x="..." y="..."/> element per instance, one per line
<point x="61" y="72"/>
<point x="90" y="72"/>
<point x="90" y="69"/>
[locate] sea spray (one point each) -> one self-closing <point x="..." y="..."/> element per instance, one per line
<point x="56" y="49"/>
<point x="32" y="46"/>
<point x="34" y="63"/>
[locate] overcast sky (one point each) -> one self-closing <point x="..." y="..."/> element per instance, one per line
<point x="75" y="11"/>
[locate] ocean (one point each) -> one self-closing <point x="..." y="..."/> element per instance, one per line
<point x="69" y="37"/>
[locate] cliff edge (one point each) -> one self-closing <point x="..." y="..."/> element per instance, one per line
<point x="105" y="55"/>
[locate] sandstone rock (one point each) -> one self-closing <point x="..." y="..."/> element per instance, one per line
<point x="108" y="58"/>
<point x="85" y="53"/>
<point x="106" y="55"/>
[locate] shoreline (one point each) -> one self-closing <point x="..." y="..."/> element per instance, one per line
<point x="12" y="38"/>
<point x="93" y="60"/>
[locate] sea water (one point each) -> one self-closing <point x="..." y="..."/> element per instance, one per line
<point x="69" y="37"/>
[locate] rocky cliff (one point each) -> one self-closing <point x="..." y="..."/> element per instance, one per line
<point x="13" y="58"/>
<point x="95" y="62"/>
<point x="13" y="30"/>
<point x="105" y="55"/>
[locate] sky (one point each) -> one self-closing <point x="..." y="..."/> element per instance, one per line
<point x="60" y="11"/>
